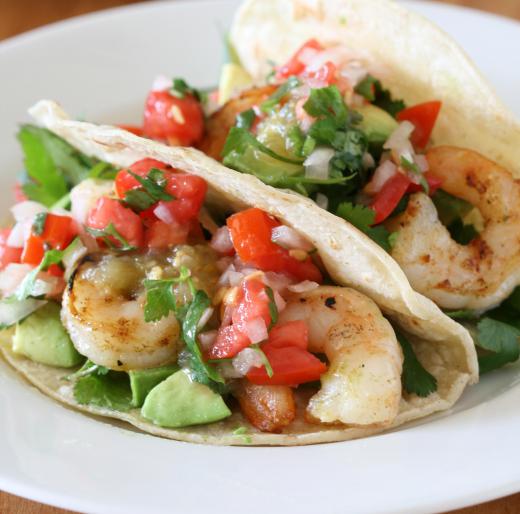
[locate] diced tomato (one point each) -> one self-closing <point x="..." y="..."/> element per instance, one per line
<point x="228" y="343"/>
<point x="138" y="131"/>
<point x="291" y="366"/>
<point x="8" y="254"/>
<point x="19" y="195"/>
<point x="188" y="192"/>
<point x="295" y="66"/>
<point x="324" y="76"/>
<point x="126" y="222"/>
<point x="33" y="250"/>
<point x="251" y="235"/>
<point x="55" y="271"/>
<point x="179" y="121"/>
<point x="162" y="235"/>
<point x="389" y="196"/>
<point x="125" y="181"/>
<point x="423" y="117"/>
<point x="433" y="181"/>
<point x="58" y="232"/>
<point x="253" y="303"/>
<point x="291" y="333"/>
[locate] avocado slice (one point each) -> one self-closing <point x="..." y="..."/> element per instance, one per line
<point x="144" y="380"/>
<point x="42" y="338"/>
<point x="232" y="78"/>
<point x="179" y="402"/>
<point x="377" y="124"/>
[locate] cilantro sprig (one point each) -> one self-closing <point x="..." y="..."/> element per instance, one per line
<point x="108" y="235"/>
<point x="411" y="166"/>
<point x="180" y="89"/>
<point x="416" y="379"/>
<point x="372" y="90"/>
<point x="363" y="218"/>
<point x="152" y="190"/>
<point x="269" y="104"/>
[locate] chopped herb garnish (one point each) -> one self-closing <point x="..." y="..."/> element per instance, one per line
<point x="180" y="89"/>
<point x="279" y="94"/>
<point x="462" y="314"/>
<point x="88" y="368"/>
<point x="39" y="223"/>
<point x="273" y="309"/>
<point x="108" y="235"/>
<point x="152" y="190"/>
<point x="110" y="390"/>
<point x="103" y="171"/>
<point x="416" y="379"/>
<point x="412" y="166"/>
<point x="265" y="360"/>
<point x="372" y="90"/>
<point x="363" y="218"/>
<point x="245" y="119"/>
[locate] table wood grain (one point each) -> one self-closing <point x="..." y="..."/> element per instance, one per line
<point x="17" y="16"/>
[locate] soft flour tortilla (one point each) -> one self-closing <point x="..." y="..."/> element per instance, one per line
<point x="414" y="58"/>
<point x="444" y="347"/>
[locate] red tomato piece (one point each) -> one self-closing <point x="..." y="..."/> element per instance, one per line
<point x="291" y="366"/>
<point x="8" y="254"/>
<point x="55" y="271"/>
<point x="294" y="65"/>
<point x="423" y="117"/>
<point x="33" y="250"/>
<point x="126" y="222"/>
<point x="138" y="131"/>
<point x="228" y="343"/>
<point x="251" y="235"/>
<point x="253" y="303"/>
<point x="389" y="196"/>
<point x="162" y="235"/>
<point x="433" y="181"/>
<point x="125" y="181"/>
<point x="177" y="120"/>
<point x="58" y="231"/>
<point x="292" y="333"/>
<point x="188" y="192"/>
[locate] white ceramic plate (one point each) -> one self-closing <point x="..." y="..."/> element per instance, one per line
<point x="100" y="67"/>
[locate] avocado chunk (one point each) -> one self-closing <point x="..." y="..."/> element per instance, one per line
<point x="233" y="78"/>
<point x="180" y="402"/>
<point x="377" y="124"/>
<point x="42" y="338"/>
<point x="144" y="380"/>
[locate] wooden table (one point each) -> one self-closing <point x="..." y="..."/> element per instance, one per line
<point x="20" y="15"/>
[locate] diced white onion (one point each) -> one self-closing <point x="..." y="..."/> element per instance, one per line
<point x="84" y="196"/>
<point x="422" y="162"/>
<point x="276" y="281"/>
<point x="72" y="255"/>
<point x="338" y="55"/>
<point x="27" y="210"/>
<point x="247" y="359"/>
<point x="279" y="301"/>
<point x="399" y="140"/>
<point x="206" y="339"/>
<point x="317" y="164"/>
<point x="13" y="311"/>
<point x="227" y="370"/>
<point x="322" y="201"/>
<point x="164" y="214"/>
<point x="288" y="238"/>
<point x="256" y="330"/>
<point x="16" y="237"/>
<point x="44" y="286"/>
<point x="308" y="55"/>
<point x="303" y="287"/>
<point x="221" y="240"/>
<point x="162" y="83"/>
<point x="354" y="72"/>
<point x="11" y="276"/>
<point x="382" y="174"/>
<point x="206" y="315"/>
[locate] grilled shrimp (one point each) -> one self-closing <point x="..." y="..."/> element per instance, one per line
<point x="220" y="122"/>
<point x="363" y="383"/>
<point x="483" y="273"/>
<point x="103" y="313"/>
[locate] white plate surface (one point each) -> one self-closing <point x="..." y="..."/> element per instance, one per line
<point x="100" y="67"/>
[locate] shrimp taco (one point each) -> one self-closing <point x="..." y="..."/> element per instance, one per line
<point x="199" y="304"/>
<point x="380" y="118"/>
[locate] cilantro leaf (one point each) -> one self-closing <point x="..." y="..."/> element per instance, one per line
<point x="88" y="368"/>
<point x="269" y="104"/>
<point x="412" y="166"/>
<point x="152" y="190"/>
<point x="39" y="223"/>
<point x="273" y="309"/>
<point x="108" y="235"/>
<point x="28" y="286"/>
<point x="110" y="390"/>
<point x="265" y="360"/>
<point x="362" y="218"/>
<point x="327" y="102"/>
<point x="103" y="171"/>
<point x="500" y="341"/>
<point x="416" y="379"/>
<point x="462" y="314"/>
<point x="245" y="119"/>
<point x="372" y="90"/>
<point x="53" y="165"/>
<point x="180" y="89"/>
